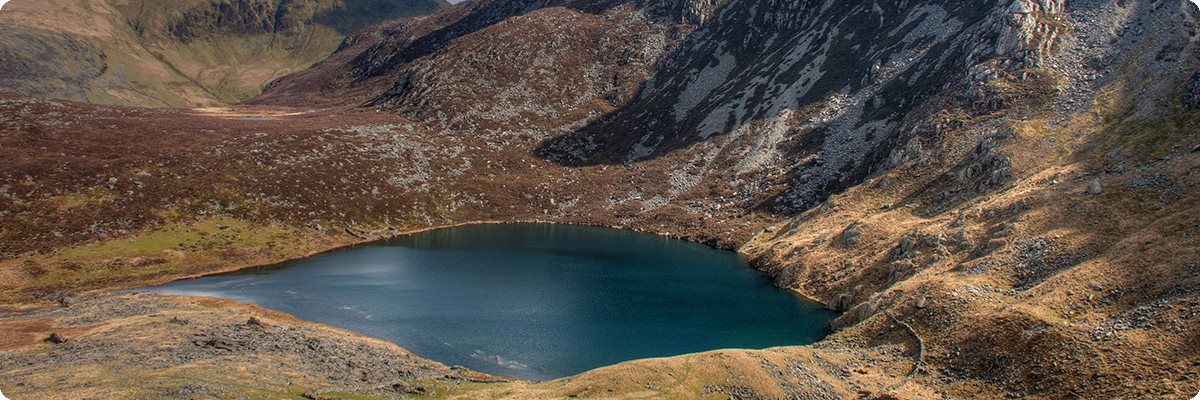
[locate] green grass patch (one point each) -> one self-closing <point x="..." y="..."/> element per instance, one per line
<point x="170" y="249"/>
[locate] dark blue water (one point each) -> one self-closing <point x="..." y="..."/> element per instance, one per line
<point x="532" y="301"/>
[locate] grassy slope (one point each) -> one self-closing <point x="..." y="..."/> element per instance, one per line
<point x="120" y="52"/>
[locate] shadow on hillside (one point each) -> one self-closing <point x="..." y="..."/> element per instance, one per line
<point x="852" y="39"/>
<point x="353" y="15"/>
<point x="475" y="16"/>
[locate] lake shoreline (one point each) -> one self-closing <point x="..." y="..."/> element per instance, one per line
<point x="340" y="242"/>
<point x="618" y="270"/>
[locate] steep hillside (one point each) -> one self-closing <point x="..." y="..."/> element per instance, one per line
<point x="174" y="53"/>
<point x="1006" y="176"/>
<point x="787" y="105"/>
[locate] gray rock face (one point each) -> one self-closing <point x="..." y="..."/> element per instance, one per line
<point x="822" y="90"/>
<point x="1191" y="95"/>
<point x="906" y="244"/>
<point x="867" y="310"/>
<point x="842" y="302"/>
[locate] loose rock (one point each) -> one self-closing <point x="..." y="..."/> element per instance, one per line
<point x="56" y="338"/>
<point x="851" y="234"/>
<point x="1094" y="187"/>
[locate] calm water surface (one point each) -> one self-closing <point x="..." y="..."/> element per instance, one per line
<point x="533" y="301"/>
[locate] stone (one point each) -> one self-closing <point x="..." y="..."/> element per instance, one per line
<point x="851" y="234"/>
<point x="867" y="311"/>
<point x="958" y="221"/>
<point x="406" y="388"/>
<point x="897" y="269"/>
<point x="254" y="321"/>
<point x="317" y="396"/>
<point x="842" y="302"/>
<point x="219" y="344"/>
<point x="906" y="244"/>
<point x="1094" y="188"/>
<point x="56" y="338"/>
<point x="904" y="248"/>
<point x="1191" y="96"/>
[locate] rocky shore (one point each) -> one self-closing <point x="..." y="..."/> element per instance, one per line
<point x="151" y="346"/>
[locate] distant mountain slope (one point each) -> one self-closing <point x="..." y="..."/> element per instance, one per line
<point x="174" y="53"/>
<point x="494" y="59"/>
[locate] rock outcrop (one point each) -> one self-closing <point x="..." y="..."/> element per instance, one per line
<point x="1191" y="94"/>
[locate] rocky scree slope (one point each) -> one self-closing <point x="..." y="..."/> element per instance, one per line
<point x="783" y="103"/>
<point x="1035" y="226"/>
<point x="174" y="53"/>
<point x="529" y="65"/>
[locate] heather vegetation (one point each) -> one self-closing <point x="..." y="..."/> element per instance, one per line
<point x="1000" y="197"/>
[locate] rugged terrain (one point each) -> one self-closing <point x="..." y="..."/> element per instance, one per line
<point x="202" y="347"/>
<point x="1001" y="195"/>
<point x="174" y="53"/>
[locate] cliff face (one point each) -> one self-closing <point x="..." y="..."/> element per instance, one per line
<point x="812" y="92"/>
<point x="175" y="53"/>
